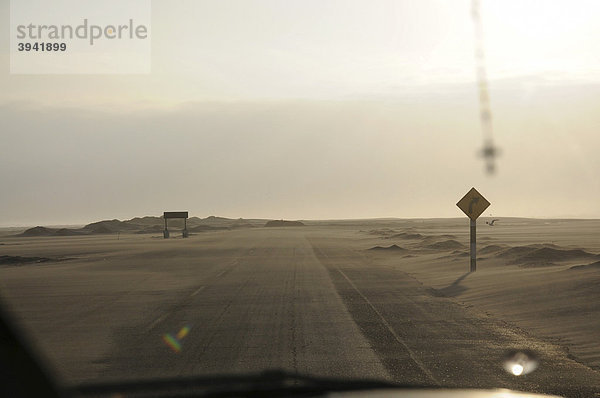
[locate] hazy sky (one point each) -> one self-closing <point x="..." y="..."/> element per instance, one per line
<point x="314" y="109"/>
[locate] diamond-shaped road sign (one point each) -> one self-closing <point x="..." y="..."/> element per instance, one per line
<point x="473" y="204"/>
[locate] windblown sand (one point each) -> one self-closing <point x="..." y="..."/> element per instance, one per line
<point x="541" y="275"/>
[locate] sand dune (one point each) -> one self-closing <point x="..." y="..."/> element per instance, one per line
<point x="445" y="236"/>
<point x="241" y="223"/>
<point x="284" y="223"/>
<point x="152" y="229"/>
<point x="204" y="228"/>
<point x="39" y="231"/>
<point x="559" y="302"/>
<point x="445" y="245"/>
<point x="389" y="248"/>
<point x="592" y="266"/>
<point x="145" y="225"/>
<point x="533" y="255"/>
<point x="406" y="235"/>
<point x="548" y="254"/>
<point x="383" y="232"/>
<point x="17" y="260"/>
<point x="109" y="226"/>
<point x="491" y="249"/>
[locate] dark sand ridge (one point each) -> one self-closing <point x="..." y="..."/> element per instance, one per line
<point x="389" y="248"/>
<point x="142" y="225"/>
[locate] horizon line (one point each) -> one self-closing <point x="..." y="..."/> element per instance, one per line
<point x="52" y="225"/>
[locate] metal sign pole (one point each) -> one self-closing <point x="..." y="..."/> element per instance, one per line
<point x="473" y="245"/>
<point x="473" y="204"/>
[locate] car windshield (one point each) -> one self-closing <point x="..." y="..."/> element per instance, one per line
<point x="390" y="190"/>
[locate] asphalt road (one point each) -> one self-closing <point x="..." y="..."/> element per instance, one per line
<point x="299" y="299"/>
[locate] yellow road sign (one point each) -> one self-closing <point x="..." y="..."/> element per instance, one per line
<point x="473" y="204"/>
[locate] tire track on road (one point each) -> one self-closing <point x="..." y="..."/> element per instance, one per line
<point x="399" y="339"/>
<point x="389" y="345"/>
<point x="460" y="347"/>
<point x="197" y="289"/>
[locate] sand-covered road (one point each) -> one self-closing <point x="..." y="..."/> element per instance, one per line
<point x="301" y="299"/>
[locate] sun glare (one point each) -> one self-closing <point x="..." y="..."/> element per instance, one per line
<point x="517" y="369"/>
<point x="536" y="38"/>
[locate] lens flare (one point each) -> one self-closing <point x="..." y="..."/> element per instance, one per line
<point x="520" y="363"/>
<point x="174" y="342"/>
<point x="517" y="369"/>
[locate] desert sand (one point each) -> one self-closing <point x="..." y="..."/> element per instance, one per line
<point x="387" y="299"/>
<point x="542" y="275"/>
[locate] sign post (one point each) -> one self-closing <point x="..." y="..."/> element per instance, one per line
<point x="473" y="245"/>
<point x="175" y="214"/>
<point x="473" y="204"/>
